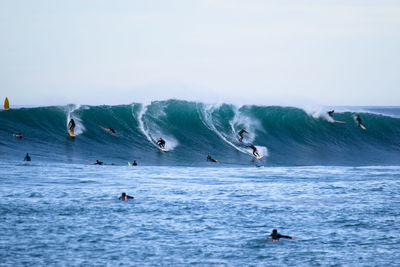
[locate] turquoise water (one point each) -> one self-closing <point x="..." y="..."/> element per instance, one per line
<point x="285" y="136"/>
<point x="69" y="214"/>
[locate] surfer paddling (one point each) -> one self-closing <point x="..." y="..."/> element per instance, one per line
<point x="111" y="130"/>
<point x="209" y="158"/>
<point x="18" y="135"/>
<point x="240" y="133"/>
<point x="125" y="197"/>
<point x="27" y="157"/>
<point x="275" y="236"/>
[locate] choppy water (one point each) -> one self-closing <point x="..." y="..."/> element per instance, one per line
<point x="69" y="214"/>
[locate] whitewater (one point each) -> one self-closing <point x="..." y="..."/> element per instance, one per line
<point x="333" y="186"/>
<point x="285" y="136"/>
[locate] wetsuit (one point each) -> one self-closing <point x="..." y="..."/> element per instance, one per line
<point x="161" y="143"/>
<point x="330" y="113"/>
<point x="98" y="162"/>
<point x="125" y="197"/>
<point x="27" y="157"/>
<point x="276" y="236"/>
<point x="71" y="124"/>
<point x="359" y="120"/>
<point x="134" y="163"/>
<point x="255" y="153"/>
<point x="112" y="130"/>
<point x="241" y="134"/>
<point x="211" y="159"/>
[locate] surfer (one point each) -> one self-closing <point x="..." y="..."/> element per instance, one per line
<point x="18" y="135"/>
<point x="240" y="133"/>
<point x="161" y="143"/>
<point x="134" y="163"/>
<point x="330" y="113"/>
<point x="27" y="157"/>
<point x="275" y="236"/>
<point x="255" y="152"/>
<point x="98" y="162"/>
<point x="358" y="119"/>
<point x="71" y="125"/>
<point x="125" y="197"/>
<point x="112" y="130"/>
<point x="209" y="158"/>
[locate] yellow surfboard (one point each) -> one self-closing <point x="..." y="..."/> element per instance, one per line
<point x="71" y="133"/>
<point x="6" y="104"/>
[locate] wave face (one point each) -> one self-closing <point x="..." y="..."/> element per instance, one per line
<point x="285" y="136"/>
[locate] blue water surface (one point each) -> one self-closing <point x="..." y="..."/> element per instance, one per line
<point x="69" y="214"/>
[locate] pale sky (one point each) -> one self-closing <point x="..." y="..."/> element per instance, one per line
<point x="254" y="52"/>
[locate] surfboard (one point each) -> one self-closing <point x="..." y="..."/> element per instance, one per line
<point x="163" y="149"/>
<point x="129" y="164"/>
<point x="17" y="136"/>
<point x="108" y="131"/>
<point x="6" y="104"/>
<point x="71" y="133"/>
<point x="339" y="121"/>
<point x="363" y="127"/>
<point x="258" y="157"/>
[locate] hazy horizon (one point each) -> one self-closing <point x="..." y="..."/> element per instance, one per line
<point x="336" y="53"/>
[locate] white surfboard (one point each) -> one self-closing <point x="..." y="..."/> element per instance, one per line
<point x="163" y="149"/>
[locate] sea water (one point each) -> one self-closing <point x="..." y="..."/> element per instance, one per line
<point x="69" y="214"/>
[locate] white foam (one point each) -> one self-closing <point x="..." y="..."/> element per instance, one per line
<point x="205" y="113"/>
<point x="152" y="131"/>
<point x="79" y="128"/>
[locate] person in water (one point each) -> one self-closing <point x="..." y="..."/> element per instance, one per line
<point x="275" y="236"/>
<point x="134" y="163"/>
<point x="18" y="135"/>
<point x="71" y="125"/>
<point x="98" y="162"/>
<point x="358" y="119"/>
<point x="241" y="132"/>
<point x="125" y="197"/>
<point x="112" y="130"/>
<point x="255" y="152"/>
<point x="27" y="157"/>
<point x="161" y="143"/>
<point x="209" y="158"/>
<point x="330" y="113"/>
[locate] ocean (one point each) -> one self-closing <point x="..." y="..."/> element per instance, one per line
<point x="333" y="186"/>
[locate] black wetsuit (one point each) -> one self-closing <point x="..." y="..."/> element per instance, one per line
<point x="241" y="134"/>
<point x="359" y="120"/>
<point x="211" y="159"/>
<point x="134" y="163"/>
<point x="161" y="143"/>
<point x="277" y="236"/>
<point x="98" y="162"/>
<point x="112" y="130"/>
<point x="27" y="157"/>
<point x="330" y="113"/>
<point x="255" y="153"/>
<point x="71" y="124"/>
<point x="126" y="196"/>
